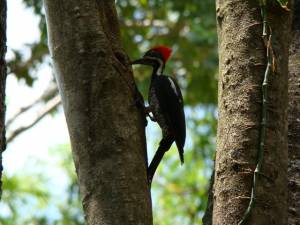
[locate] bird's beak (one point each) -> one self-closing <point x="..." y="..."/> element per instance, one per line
<point x="143" y="61"/>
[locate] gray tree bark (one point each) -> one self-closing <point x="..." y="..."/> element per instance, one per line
<point x="294" y="121"/>
<point x="106" y="128"/>
<point x="242" y="67"/>
<point x="3" y="11"/>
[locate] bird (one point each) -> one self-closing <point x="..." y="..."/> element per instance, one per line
<point x="166" y="105"/>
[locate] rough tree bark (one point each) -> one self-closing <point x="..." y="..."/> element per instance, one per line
<point x="106" y="128"/>
<point x="242" y="67"/>
<point x="3" y="11"/>
<point x="294" y="120"/>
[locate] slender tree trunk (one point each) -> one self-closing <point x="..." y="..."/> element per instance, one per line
<point x="294" y="120"/>
<point x="243" y="63"/>
<point x="3" y="10"/>
<point x="106" y="128"/>
<point x="207" y="217"/>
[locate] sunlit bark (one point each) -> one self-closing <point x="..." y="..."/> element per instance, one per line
<point x="98" y="95"/>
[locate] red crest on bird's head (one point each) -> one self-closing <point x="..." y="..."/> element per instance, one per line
<point x="164" y="51"/>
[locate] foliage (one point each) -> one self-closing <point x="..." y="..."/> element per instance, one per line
<point x="26" y="68"/>
<point x="185" y="187"/>
<point x="22" y="192"/>
<point x="32" y="197"/>
<point x="189" y="28"/>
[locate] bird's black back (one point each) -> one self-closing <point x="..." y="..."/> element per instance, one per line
<point x="171" y="104"/>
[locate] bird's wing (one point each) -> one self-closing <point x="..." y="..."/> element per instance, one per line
<point x="171" y="103"/>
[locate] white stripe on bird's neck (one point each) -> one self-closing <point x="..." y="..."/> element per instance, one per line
<point x="160" y="62"/>
<point x="161" y="67"/>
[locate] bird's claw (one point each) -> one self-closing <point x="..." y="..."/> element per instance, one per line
<point x="146" y="110"/>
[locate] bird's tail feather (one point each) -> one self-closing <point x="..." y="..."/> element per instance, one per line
<point x="164" y="146"/>
<point x="181" y="155"/>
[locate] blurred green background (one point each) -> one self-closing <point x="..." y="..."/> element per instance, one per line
<point x="179" y="193"/>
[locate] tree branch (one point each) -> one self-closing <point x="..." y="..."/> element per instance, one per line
<point x="50" y="106"/>
<point x="48" y="94"/>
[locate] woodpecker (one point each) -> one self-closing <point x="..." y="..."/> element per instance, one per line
<point x="166" y="104"/>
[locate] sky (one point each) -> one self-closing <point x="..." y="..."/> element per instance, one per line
<point x="51" y="131"/>
<point x="30" y="150"/>
<point x="33" y="145"/>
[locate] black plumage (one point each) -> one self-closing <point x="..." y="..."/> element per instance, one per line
<point x="168" y="109"/>
<point x="166" y="104"/>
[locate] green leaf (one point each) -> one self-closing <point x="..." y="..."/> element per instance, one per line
<point x="143" y="2"/>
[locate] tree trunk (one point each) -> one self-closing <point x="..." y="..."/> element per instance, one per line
<point x="98" y="94"/>
<point x="243" y="63"/>
<point x="207" y="217"/>
<point x="294" y="120"/>
<point x="3" y="10"/>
